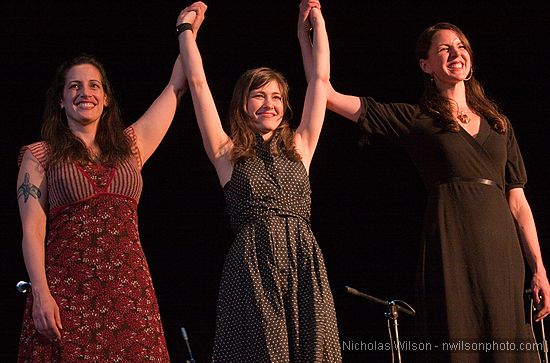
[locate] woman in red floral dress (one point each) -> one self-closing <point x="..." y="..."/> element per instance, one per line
<point x="92" y="295"/>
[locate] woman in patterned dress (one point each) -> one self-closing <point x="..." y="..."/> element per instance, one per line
<point x="477" y="220"/>
<point x="274" y="302"/>
<point x="92" y="295"/>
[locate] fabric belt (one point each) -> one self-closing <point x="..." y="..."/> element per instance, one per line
<point x="469" y="180"/>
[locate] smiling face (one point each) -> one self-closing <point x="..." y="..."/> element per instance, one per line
<point x="83" y="96"/>
<point x="265" y="107"/>
<point x="448" y="60"/>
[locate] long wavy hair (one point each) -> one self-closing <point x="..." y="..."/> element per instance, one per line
<point x="243" y="132"/>
<point x="64" y="145"/>
<point x="441" y="108"/>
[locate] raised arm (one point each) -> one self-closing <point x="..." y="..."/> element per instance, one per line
<point x="344" y="105"/>
<point x="529" y="240"/>
<point x="153" y="125"/>
<point x="32" y="198"/>
<point x="307" y="134"/>
<point x="216" y="142"/>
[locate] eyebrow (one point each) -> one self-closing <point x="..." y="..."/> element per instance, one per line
<point x="264" y="92"/>
<point x="92" y="82"/>
<point x="456" y="41"/>
<point x="79" y="81"/>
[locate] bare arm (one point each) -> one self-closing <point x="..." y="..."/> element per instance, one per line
<point x="344" y="105"/>
<point x="307" y="134"/>
<point x="151" y="128"/>
<point x="32" y="199"/>
<point x="529" y="240"/>
<point x="217" y="143"/>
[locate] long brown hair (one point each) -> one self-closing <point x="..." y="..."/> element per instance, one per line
<point x="243" y="134"/>
<point x="64" y="145"/>
<point x="441" y="108"/>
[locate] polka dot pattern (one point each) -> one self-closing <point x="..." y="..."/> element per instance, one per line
<point x="275" y="303"/>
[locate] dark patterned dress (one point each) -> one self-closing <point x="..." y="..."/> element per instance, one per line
<point x="471" y="273"/>
<point x="275" y="303"/>
<point x="95" y="267"/>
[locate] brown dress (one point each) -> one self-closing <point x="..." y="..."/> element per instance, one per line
<point x="471" y="273"/>
<point x="95" y="267"/>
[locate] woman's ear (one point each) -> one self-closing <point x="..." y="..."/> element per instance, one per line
<point x="425" y="66"/>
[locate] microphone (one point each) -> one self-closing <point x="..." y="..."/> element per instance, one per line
<point x="184" y="335"/>
<point x="23" y="286"/>
<point x="352" y="291"/>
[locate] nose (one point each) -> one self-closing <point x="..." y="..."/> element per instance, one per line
<point x="454" y="51"/>
<point x="268" y="102"/>
<point x="85" y="91"/>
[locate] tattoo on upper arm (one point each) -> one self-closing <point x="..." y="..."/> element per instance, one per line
<point x="26" y="189"/>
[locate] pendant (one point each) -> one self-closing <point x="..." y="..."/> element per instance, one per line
<point x="463" y="117"/>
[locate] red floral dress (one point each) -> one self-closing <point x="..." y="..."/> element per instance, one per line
<point x="95" y="266"/>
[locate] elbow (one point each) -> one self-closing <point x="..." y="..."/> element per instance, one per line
<point x="33" y="236"/>
<point x="322" y="78"/>
<point x="517" y="203"/>
<point x="515" y="208"/>
<point x="321" y="74"/>
<point x="196" y="81"/>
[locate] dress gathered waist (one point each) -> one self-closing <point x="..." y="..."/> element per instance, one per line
<point x="264" y="215"/>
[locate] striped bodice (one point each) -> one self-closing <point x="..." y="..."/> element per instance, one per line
<point x="70" y="183"/>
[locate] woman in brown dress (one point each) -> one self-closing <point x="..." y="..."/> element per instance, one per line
<point x="477" y="220"/>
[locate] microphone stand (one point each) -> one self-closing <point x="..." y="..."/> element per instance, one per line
<point x="544" y="354"/>
<point x="184" y="335"/>
<point x="393" y="308"/>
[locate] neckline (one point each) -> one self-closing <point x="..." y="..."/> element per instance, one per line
<point x="92" y="181"/>
<point x="482" y="133"/>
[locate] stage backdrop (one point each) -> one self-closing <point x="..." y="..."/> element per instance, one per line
<point x="367" y="202"/>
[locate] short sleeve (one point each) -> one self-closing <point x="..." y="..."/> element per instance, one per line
<point x="388" y="120"/>
<point x="40" y="150"/>
<point x="515" y="174"/>
<point x="129" y="131"/>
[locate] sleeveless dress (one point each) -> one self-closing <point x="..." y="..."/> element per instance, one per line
<point x="274" y="303"/>
<point x="471" y="272"/>
<point x="95" y="267"/>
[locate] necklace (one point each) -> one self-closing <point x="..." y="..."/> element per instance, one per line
<point x="463" y="117"/>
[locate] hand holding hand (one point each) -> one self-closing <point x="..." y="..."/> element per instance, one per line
<point x="305" y="24"/>
<point x="194" y="15"/>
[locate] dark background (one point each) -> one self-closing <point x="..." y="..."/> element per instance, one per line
<point x="367" y="203"/>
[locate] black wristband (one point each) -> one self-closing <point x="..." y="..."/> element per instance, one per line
<point x="183" y="27"/>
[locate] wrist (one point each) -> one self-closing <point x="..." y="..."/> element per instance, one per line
<point x="183" y="27"/>
<point x="539" y="269"/>
<point x="40" y="294"/>
<point x="39" y="290"/>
